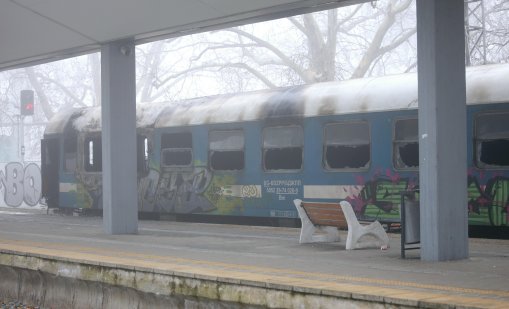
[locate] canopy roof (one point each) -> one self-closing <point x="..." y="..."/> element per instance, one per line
<point x="34" y="31"/>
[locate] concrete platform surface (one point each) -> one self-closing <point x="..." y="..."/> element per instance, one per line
<point x="268" y="257"/>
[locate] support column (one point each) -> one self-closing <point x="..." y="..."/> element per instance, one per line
<point x="118" y="82"/>
<point x="442" y="130"/>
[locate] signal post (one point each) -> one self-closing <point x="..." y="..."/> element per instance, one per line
<point x="26" y="108"/>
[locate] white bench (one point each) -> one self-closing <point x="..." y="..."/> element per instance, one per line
<point x="328" y="218"/>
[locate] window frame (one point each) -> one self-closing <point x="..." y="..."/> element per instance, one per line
<point x="176" y="149"/>
<point x="243" y="149"/>
<point x="395" y="142"/>
<point x="325" y="165"/>
<point x="263" y="149"/>
<point x="476" y="142"/>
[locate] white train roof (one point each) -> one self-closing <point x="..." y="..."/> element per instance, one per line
<point x="58" y="122"/>
<point x="485" y="84"/>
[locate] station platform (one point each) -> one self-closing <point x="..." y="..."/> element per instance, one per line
<point x="192" y="264"/>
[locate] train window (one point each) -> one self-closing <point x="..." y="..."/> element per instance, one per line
<point x="142" y="154"/>
<point x="282" y="148"/>
<point x="406" y="144"/>
<point x="226" y="150"/>
<point x="347" y="146"/>
<point x="177" y="149"/>
<point x="93" y="154"/>
<point x="70" y="152"/>
<point x="492" y="140"/>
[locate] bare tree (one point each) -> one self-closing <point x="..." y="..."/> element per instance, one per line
<point x="497" y="31"/>
<point x="324" y="46"/>
<point x="376" y="49"/>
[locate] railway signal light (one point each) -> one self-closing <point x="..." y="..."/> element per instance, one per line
<point x="26" y="102"/>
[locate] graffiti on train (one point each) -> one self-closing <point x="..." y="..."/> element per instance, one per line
<point x="20" y="184"/>
<point x="488" y="199"/>
<point x="379" y="197"/>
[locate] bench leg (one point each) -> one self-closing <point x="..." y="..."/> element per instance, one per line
<point x="352" y="238"/>
<point x="375" y="229"/>
<point x="308" y="229"/>
<point x="356" y="230"/>
<point x="306" y="232"/>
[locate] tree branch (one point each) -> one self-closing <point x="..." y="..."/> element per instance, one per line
<point x="298" y="25"/>
<point x="226" y="46"/>
<point x="401" y="39"/>
<point x="349" y="16"/>
<point x="253" y="71"/>
<point x="273" y="49"/>
<point x="373" y="50"/>
<point x="64" y="89"/>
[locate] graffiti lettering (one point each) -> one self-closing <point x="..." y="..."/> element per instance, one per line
<point x="21" y="184"/>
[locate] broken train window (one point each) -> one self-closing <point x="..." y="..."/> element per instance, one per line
<point x="282" y="148"/>
<point x="405" y="144"/>
<point x="492" y="139"/>
<point x="177" y="149"/>
<point x="226" y="150"/>
<point x="347" y="146"/>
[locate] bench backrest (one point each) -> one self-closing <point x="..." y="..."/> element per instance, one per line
<point x="326" y="214"/>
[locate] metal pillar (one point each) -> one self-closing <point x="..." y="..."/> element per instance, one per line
<point x="120" y="200"/>
<point x="442" y="129"/>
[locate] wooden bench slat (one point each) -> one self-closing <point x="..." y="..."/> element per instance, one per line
<point x="331" y="223"/>
<point x="327" y="214"/>
<point x="320" y="205"/>
<point x="324" y="211"/>
<point x="329" y="218"/>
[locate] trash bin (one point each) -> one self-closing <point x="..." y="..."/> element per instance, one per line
<point x="410" y="221"/>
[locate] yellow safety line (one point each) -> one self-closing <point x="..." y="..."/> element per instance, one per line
<point x="256" y="273"/>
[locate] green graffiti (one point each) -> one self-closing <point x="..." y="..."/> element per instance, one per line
<point x="218" y="195"/>
<point x="498" y="189"/>
<point x="488" y="205"/>
<point x="382" y="198"/>
<point x="83" y="198"/>
<point x="153" y="165"/>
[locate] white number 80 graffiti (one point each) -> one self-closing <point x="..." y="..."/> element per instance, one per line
<point x="21" y="184"/>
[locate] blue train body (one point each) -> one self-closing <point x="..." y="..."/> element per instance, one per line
<point x="249" y="155"/>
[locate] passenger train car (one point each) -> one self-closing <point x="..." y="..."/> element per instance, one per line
<point x="245" y="157"/>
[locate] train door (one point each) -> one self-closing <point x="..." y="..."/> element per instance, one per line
<point x="50" y="160"/>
